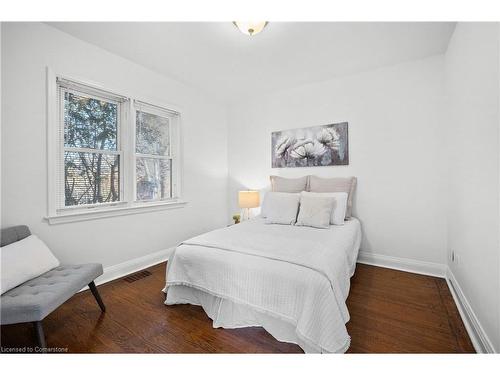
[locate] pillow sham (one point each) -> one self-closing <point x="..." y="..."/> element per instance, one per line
<point x="339" y="205"/>
<point x="288" y="185"/>
<point x="335" y="185"/>
<point x="280" y="208"/>
<point x="315" y="211"/>
<point x="24" y="260"/>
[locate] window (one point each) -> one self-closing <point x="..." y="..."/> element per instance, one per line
<point x="91" y="148"/>
<point x="152" y="153"/>
<point x="111" y="153"/>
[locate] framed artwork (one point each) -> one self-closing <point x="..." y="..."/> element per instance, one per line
<point x="316" y="146"/>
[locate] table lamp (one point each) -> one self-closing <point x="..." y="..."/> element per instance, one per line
<point x="248" y="199"/>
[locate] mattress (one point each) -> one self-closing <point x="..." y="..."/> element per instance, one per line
<point x="292" y="281"/>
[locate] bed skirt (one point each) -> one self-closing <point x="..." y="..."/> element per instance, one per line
<point x="229" y="314"/>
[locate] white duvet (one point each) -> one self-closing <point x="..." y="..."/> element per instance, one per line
<point x="291" y="280"/>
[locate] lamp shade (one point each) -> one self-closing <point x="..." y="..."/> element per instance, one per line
<point x="250" y="28"/>
<point x="248" y="199"/>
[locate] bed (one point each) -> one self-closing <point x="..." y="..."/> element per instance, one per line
<point x="292" y="281"/>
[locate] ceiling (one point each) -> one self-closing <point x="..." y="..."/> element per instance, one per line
<point x="216" y="58"/>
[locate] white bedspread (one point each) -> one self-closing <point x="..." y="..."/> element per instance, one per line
<point x="299" y="275"/>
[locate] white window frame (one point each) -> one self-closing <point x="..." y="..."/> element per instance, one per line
<point x="57" y="212"/>
<point x="122" y="115"/>
<point x="173" y="118"/>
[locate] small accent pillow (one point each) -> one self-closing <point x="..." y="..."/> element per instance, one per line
<point x="280" y="208"/>
<point x="339" y="205"/>
<point x="335" y="185"/>
<point x="288" y="185"/>
<point x="24" y="260"/>
<point x="315" y="211"/>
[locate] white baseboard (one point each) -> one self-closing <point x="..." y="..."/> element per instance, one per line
<point x="133" y="265"/>
<point x="478" y="336"/>
<point x="403" y="264"/>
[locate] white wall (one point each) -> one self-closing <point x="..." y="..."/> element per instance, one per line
<point x="472" y="89"/>
<point x="395" y="143"/>
<point x="27" y="48"/>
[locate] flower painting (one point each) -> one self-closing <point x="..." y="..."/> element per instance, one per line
<point x="311" y="147"/>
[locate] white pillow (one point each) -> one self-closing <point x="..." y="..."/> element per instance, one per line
<point x="269" y="197"/>
<point x="339" y="207"/>
<point x="315" y="211"/>
<point x="24" y="260"/>
<point x="280" y="208"/>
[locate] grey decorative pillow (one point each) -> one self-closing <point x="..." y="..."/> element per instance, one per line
<point x="335" y="185"/>
<point x="288" y="185"/>
<point x="315" y="211"/>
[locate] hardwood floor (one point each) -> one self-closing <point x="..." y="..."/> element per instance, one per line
<point x="391" y="312"/>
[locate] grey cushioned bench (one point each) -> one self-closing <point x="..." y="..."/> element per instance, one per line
<point x="38" y="297"/>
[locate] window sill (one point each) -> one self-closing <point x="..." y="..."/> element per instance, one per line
<point x="104" y="212"/>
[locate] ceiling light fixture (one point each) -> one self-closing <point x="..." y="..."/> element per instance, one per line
<point x="250" y="28"/>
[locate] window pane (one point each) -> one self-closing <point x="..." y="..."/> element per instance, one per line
<point x="153" y="178"/>
<point x="152" y="134"/>
<point x="89" y="123"/>
<point x="91" y="178"/>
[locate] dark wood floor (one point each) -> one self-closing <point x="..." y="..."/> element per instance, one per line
<point x="391" y="312"/>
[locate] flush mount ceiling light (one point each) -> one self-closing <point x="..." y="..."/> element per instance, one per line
<point x="250" y="28"/>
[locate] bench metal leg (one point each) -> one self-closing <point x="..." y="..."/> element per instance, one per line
<point x="97" y="297"/>
<point x="40" y="336"/>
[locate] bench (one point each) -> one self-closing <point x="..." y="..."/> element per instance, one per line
<point x="33" y="300"/>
